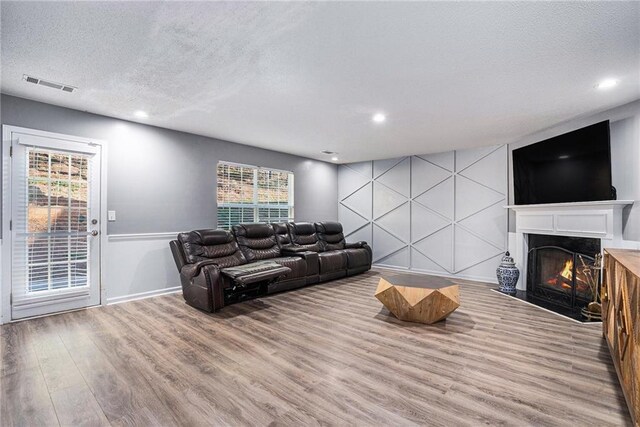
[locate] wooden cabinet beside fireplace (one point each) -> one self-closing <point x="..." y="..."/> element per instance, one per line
<point x="620" y="297"/>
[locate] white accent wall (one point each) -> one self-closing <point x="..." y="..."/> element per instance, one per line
<point x="438" y="213"/>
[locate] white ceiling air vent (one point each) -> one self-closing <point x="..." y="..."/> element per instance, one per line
<point x="328" y="152"/>
<point x="53" y="85"/>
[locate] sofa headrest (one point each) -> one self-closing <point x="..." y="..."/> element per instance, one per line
<point x="280" y="228"/>
<point x="303" y="228"/>
<point x="329" y="227"/>
<point x="253" y="231"/>
<point x="211" y="237"/>
<point x="201" y="245"/>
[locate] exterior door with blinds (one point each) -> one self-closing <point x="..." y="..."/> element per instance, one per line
<point x="55" y="223"/>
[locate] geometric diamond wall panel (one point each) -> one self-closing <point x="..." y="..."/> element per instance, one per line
<point x="438" y="247"/>
<point x="384" y="243"/>
<point x="361" y="201"/>
<point x="349" y="181"/>
<point x="395" y="222"/>
<point x="397" y="259"/>
<point x="471" y="250"/>
<point x="350" y="220"/>
<point x="484" y="171"/>
<point x="439" y="198"/>
<point x="363" y="168"/>
<point x="422" y="263"/>
<point x="439" y="213"/>
<point x="381" y="166"/>
<point x="425" y="175"/>
<point x="484" y="269"/>
<point x="465" y="158"/>
<point x="488" y="224"/>
<point x="444" y="160"/>
<point x="425" y="222"/>
<point x="398" y="178"/>
<point x="385" y="200"/>
<point x="363" y="234"/>
<point x="472" y="197"/>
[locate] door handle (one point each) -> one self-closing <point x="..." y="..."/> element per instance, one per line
<point x="94" y="232"/>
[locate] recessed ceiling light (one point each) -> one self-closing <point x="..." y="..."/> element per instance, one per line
<point x="334" y="158"/>
<point x="607" y="84"/>
<point x="141" y="114"/>
<point x="379" y="118"/>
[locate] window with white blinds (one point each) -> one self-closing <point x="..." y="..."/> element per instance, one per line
<point x="249" y="194"/>
<point x="51" y="247"/>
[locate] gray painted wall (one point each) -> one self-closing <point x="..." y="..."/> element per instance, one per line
<point x="437" y="213"/>
<point x="163" y="181"/>
<point x="625" y="158"/>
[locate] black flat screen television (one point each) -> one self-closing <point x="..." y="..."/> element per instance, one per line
<point x="574" y="167"/>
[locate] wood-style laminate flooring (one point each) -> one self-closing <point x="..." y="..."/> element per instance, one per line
<point x="324" y="354"/>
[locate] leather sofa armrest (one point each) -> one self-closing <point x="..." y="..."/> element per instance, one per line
<point x="355" y="245"/>
<point x="202" y="285"/>
<point x="310" y="257"/>
<point x="189" y="271"/>
<point x="362" y="245"/>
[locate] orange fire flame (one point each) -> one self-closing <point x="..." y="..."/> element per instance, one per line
<point x="567" y="273"/>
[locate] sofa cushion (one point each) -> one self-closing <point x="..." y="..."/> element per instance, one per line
<point x="257" y="241"/>
<point x="303" y="234"/>
<point x="330" y="235"/>
<point x="332" y="261"/>
<point x="218" y="245"/>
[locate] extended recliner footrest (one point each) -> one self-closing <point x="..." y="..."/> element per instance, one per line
<point x="246" y="274"/>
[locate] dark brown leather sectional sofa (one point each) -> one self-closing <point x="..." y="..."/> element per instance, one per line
<point x="219" y="267"/>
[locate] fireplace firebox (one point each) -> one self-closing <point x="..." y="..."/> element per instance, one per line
<point x="556" y="276"/>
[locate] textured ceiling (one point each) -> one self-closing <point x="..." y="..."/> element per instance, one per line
<point x="305" y="77"/>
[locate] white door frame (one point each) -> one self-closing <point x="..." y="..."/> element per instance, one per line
<point x="5" y="249"/>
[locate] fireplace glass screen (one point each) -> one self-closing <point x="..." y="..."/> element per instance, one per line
<point x="556" y="270"/>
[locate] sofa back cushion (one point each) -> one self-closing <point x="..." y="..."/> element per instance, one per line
<point x="330" y="235"/>
<point x="303" y="234"/>
<point x="219" y="245"/>
<point x="256" y="241"/>
<point x="282" y="234"/>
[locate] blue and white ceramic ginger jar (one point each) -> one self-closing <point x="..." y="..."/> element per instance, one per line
<point x="508" y="274"/>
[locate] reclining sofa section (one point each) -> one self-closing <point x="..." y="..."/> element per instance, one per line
<point x="219" y="267"/>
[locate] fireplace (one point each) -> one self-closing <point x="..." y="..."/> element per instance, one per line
<point x="556" y="276"/>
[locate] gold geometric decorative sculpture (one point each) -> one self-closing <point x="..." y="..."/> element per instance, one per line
<point x="411" y="300"/>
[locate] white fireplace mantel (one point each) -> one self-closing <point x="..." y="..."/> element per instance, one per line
<point x="599" y="219"/>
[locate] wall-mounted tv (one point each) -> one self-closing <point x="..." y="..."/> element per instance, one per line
<point x="574" y="167"/>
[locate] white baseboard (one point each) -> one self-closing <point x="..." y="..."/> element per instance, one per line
<point x="143" y="295"/>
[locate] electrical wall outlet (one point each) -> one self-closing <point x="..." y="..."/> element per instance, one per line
<point x="111" y="215"/>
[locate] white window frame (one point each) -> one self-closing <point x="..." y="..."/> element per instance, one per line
<point x="255" y="205"/>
